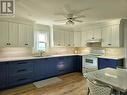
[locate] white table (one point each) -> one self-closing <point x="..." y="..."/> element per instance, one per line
<point x="117" y="78"/>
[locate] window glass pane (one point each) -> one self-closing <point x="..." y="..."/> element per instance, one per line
<point x="41" y="46"/>
<point x="42" y="37"/>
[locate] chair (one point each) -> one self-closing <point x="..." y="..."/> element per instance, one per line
<point x="96" y="88"/>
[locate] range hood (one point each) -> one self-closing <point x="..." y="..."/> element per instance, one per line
<point x="94" y="41"/>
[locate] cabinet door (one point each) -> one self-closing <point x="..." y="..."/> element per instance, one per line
<point x="83" y="41"/>
<point x="58" y="36"/>
<point x="107" y="36"/>
<point x="67" y="38"/>
<point x="3" y="75"/>
<point x="115" y="36"/>
<point x="105" y="63"/>
<point x="25" y="35"/>
<point x="89" y="35"/>
<point x="13" y="34"/>
<point x="3" y="34"/>
<point x="97" y="33"/>
<point x="61" y="37"/>
<point x="71" y="39"/>
<point x="22" y="35"/>
<point x="41" y="69"/>
<point x="77" y="39"/>
<point x="30" y="38"/>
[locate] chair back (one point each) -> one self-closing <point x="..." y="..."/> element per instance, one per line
<point x="98" y="89"/>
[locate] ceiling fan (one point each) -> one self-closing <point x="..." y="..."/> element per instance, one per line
<point x="71" y="16"/>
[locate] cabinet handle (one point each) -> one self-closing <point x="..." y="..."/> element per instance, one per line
<point x="58" y="44"/>
<point x="93" y="38"/>
<point x="69" y="44"/>
<point x="7" y="43"/>
<point x="21" y="70"/>
<point x="22" y="62"/>
<point x="109" y="44"/>
<point x="22" y="79"/>
<point x="26" y="44"/>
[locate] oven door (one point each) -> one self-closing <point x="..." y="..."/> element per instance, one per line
<point x="90" y="62"/>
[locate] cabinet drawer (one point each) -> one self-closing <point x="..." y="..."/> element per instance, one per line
<point x="19" y="68"/>
<point x="22" y="79"/>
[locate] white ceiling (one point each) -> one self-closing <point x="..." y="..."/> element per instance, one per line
<point x="44" y="11"/>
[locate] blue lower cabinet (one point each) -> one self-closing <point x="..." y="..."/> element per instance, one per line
<point x="112" y="63"/>
<point x="78" y="63"/>
<point x="65" y="65"/>
<point x="3" y="75"/>
<point x="45" y="68"/>
<point x="21" y="72"/>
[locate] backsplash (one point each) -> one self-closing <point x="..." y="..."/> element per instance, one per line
<point x="15" y="52"/>
<point x="108" y="51"/>
<point x="114" y="51"/>
<point x="60" y="50"/>
<point x="21" y="52"/>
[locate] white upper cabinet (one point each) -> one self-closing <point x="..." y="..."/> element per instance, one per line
<point x="93" y="34"/>
<point x="13" y="35"/>
<point x="69" y="38"/>
<point x="63" y="37"/>
<point x="111" y="36"/>
<point x="8" y="34"/>
<point x="77" y="39"/>
<point x="25" y="35"/>
<point x="58" y="37"/>
<point x="83" y="39"/>
<point x="97" y="33"/>
<point x="3" y="34"/>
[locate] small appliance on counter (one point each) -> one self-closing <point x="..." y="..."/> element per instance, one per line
<point x="90" y="61"/>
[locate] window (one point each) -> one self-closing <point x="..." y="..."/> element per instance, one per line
<point x="41" y="41"/>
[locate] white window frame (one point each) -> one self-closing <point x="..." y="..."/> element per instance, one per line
<point x="36" y="40"/>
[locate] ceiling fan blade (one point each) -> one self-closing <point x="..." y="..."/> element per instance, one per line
<point x="80" y="11"/>
<point x="80" y="16"/>
<point x="60" y="20"/>
<point x="77" y="20"/>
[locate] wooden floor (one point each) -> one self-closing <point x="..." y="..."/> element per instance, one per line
<point x="72" y="84"/>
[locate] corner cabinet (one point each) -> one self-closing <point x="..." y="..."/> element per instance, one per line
<point x="111" y="63"/>
<point x="15" y="34"/>
<point x="112" y="36"/>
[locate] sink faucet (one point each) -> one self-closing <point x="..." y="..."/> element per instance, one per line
<point x="42" y="53"/>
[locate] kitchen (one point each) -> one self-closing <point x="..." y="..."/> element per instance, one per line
<point x="36" y="53"/>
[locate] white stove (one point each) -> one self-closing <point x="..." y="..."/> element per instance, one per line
<point x="90" y="61"/>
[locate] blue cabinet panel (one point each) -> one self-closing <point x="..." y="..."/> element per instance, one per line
<point x="104" y="63"/>
<point x="20" y="72"/>
<point x="77" y="63"/>
<point x="45" y="68"/>
<point x="3" y="75"/>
